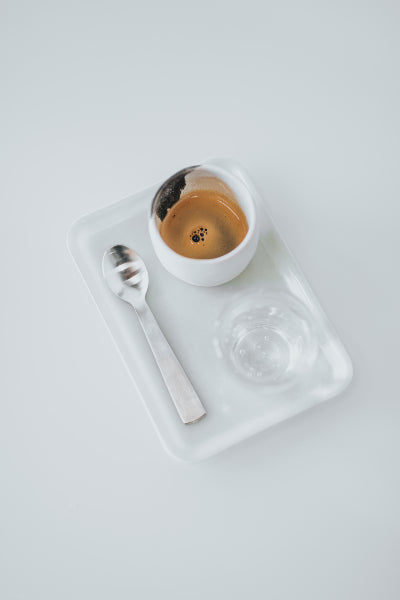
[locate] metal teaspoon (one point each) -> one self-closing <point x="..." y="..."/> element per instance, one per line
<point x="127" y="276"/>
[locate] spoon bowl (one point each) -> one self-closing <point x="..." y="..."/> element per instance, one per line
<point x="126" y="274"/>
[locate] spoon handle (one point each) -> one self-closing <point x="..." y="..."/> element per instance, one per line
<point x="186" y="401"/>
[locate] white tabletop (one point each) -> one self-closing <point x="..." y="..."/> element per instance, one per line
<point x="100" y="100"/>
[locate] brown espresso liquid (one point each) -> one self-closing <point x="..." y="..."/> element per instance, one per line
<point x="204" y="224"/>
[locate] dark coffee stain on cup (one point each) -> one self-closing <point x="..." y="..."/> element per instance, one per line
<point x="170" y="192"/>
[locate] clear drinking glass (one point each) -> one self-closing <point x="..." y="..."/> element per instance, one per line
<point x="267" y="337"/>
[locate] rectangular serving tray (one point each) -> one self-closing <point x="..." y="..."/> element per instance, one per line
<point x="236" y="408"/>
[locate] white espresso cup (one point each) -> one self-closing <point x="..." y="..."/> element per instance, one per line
<point x="204" y="271"/>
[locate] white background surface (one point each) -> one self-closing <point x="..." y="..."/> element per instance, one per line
<point x="100" y="99"/>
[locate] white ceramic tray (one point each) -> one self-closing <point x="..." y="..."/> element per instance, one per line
<point x="236" y="408"/>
